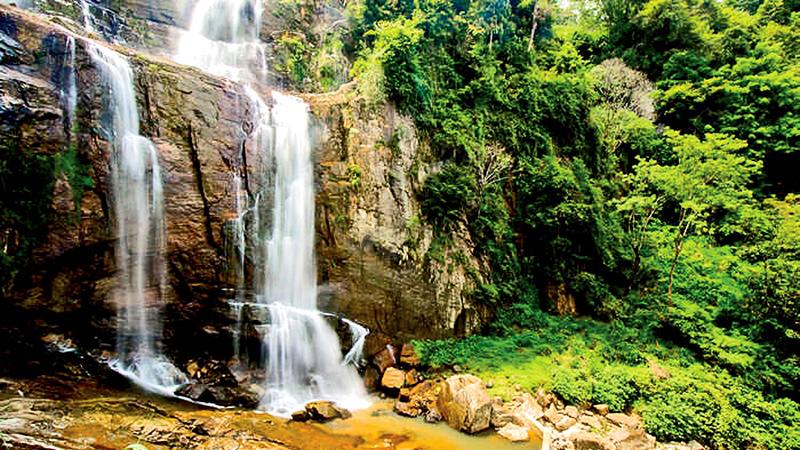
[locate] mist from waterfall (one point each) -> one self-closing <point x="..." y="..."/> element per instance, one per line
<point x="137" y="203"/>
<point x="303" y="358"/>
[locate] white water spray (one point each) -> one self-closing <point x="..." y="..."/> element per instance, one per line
<point x="303" y="358"/>
<point x="86" y="12"/>
<point x="138" y="211"/>
<point x="223" y="39"/>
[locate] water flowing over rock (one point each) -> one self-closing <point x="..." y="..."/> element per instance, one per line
<point x="138" y="209"/>
<point x="302" y="359"/>
<point x="210" y="135"/>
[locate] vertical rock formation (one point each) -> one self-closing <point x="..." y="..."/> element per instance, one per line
<point x="375" y="246"/>
<point x="372" y="241"/>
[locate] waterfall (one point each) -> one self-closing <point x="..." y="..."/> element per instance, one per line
<point x="69" y="97"/>
<point x="87" y="16"/>
<point x="138" y="211"/>
<point x="302" y="359"/>
<point x="223" y="39"/>
<point x="303" y="354"/>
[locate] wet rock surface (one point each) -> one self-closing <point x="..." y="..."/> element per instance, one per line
<point x="465" y="404"/>
<point x="321" y="411"/>
<point x="58" y="414"/>
<point x="367" y="267"/>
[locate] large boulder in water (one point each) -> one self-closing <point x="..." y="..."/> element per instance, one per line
<point x="465" y="403"/>
<point x="321" y="411"/>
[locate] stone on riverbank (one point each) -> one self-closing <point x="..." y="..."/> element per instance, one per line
<point x="465" y="404"/>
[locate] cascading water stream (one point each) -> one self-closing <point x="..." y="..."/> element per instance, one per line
<point x="69" y="94"/>
<point x="138" y="212"/>
<point x="302" y="359"/>
<point x="137" y="203"/>
<point x="86" y="13"/>
<point x="303" y="355"/>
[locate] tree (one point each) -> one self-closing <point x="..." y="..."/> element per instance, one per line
<point x="709" y="180"/>
<point x="627" y="105"/>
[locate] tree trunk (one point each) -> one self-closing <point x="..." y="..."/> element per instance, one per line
<point x="672" y="276"/>
<point x="678" y="247"/>
<point x="534" y="24"/>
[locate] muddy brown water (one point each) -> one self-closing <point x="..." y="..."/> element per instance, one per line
<point x="379" y="423"/>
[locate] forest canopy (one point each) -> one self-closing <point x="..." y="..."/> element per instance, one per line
<point x="632" y="163"/>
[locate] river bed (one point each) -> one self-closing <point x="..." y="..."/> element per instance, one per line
<point x="53" y="412"/>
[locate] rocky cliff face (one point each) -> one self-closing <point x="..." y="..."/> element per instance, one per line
<point x="374" y="246"/>
<point x="372" y="240"/>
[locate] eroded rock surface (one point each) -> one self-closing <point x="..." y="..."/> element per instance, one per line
<point x="87" y="419"/>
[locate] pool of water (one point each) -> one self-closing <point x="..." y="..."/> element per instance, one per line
<point x="379" y="423"/>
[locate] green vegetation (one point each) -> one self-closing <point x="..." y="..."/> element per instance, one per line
<point x="629" y="162"/>
<point x="26" y="181"/>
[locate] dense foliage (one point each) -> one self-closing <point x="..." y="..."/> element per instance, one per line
<point x="633" y="162"/>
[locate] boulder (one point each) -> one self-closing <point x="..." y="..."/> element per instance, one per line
<point x="211" y="373"/>
<point x="571" y="411"/>
<point x="636" y="439"/>
<point x="219" y="395"/>
<point x="433" y="416"/>
<point x="552" y="415"/>
<point x="515" y="433"/>
<point x="601" y="409"/>
<point x="393" y="379"/>
<point x="590" y="441"/>
<point x="565" y="423"/>
<point x="412" y="377"/>
<point x="300" y="416"/>
<point x="408" y="356"/>
<point x="371" y="378"/>
<point x="257" y="390"/>
<point x="419" y="400"/>
<point x="591" y="422"/>
<point x="544" y="399"/>
<point x="526" y="409"/>
<point x="406" y="409"/>
<point x="375" y="342"/>
<point x="465" y="404"/>
<point x="501" y="415"/>
<point x="625" y="421"/>
<point x="385" y="358"/>
<point x="325" y="411"/>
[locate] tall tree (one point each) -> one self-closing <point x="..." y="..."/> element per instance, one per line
<point x="709" y="179"/>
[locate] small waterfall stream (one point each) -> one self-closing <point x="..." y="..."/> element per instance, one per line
<point x="137" y="202"/>
<point x="69" y="94"/>
<point x="303" y="359"/>
<point x="86" y="13"/>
